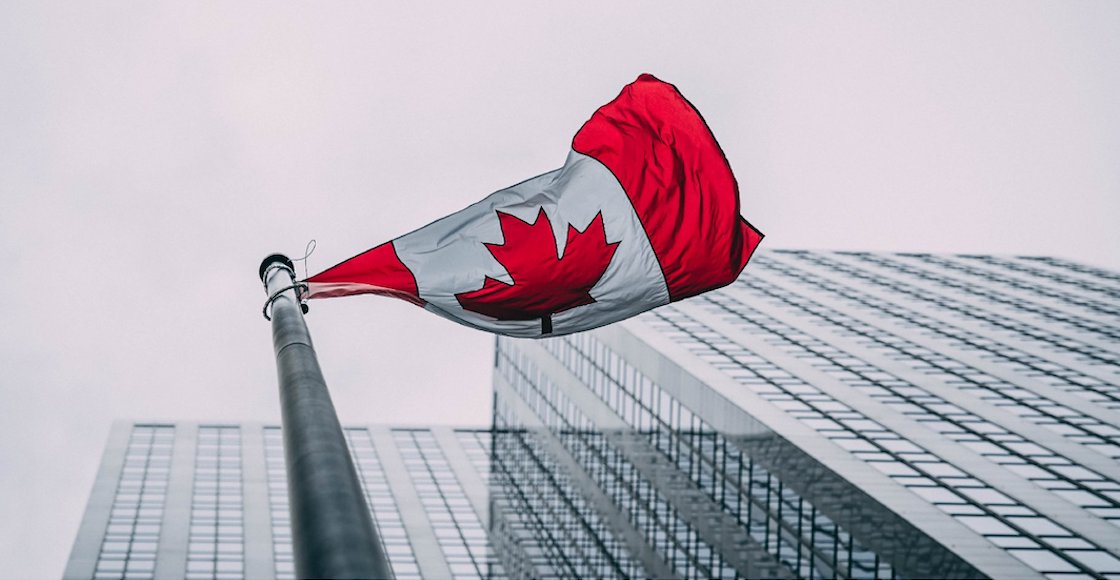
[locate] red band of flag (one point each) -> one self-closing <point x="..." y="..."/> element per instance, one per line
<point x="668" y="162"/>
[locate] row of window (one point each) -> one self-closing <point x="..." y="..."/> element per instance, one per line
<point x="277" y="477"/>
<point x="1041" y="295"/>
<point x="131" y="539"/>
<point x="382" y="505"/>
<point x="805" y="266"/>
<point x="653" y="514"/>
<point x="216" y="529"/>
<point x="920" y="287"/>
<point x="781" y="522"/>
<point x="1057" y="473"/>
<point x="1086" y="280"/>
<point x="944" y="275"/>
<point x="967" y="499"/>
<point x="543" y="526"/>
<point x="477" y="444"/>
<point x="217" y="534"/>
<point x="934" y="367"/>
<point x="459" y="532"/>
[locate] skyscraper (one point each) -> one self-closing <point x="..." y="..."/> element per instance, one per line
<point x="188" y="500"/>
<point x="828" y="415"/>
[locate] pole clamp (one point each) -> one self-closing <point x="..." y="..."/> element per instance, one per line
<point x="299" y="287"/>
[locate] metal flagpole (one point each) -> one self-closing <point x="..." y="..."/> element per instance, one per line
<point x="332" y="533"/>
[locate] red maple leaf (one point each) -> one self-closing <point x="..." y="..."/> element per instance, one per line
<point x="543" y="282"/>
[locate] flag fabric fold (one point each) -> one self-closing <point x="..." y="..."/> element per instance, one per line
<point x="645" y="211"/>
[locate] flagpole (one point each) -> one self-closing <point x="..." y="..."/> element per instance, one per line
<point x="332" y="533"/>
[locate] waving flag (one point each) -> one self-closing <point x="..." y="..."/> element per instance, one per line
<point x="645" y="211"/>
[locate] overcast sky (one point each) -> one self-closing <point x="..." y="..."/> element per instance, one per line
<point x="151" y="153"/>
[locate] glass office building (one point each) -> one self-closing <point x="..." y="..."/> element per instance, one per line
<point x="829" y="415"/>
<point x="188" y="500"/>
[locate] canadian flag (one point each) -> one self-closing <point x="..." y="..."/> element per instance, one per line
<point x="645" y="211"/>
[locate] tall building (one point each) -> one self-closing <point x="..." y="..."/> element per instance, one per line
<point x="188" y="500"/>
<point x="829" y="415"/>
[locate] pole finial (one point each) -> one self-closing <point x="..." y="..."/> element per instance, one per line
<point x="273" y="259"/>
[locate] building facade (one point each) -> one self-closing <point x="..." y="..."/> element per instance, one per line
<point x="829" y="415"/>
<point x="189" y="500"/>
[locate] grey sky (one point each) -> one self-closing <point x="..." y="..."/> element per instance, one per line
<point x="151" y="153"/>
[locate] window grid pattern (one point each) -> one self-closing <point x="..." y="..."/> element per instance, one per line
<point x="546" y="528"/>
<point x="1079" y="485"/>
<point x="382" y="505"/>
<point x="1036" y="540"/>
<point x="1060" y="377"/>
<point x="539" y="508"/>
<point x="783" y="523"/>
<point x="1063" y="420"/>
<point x="1085" y="353"/>
<point x="128" y="549"/>
<point x="216" y="546"/>
<point x="1088" y="289"/>
<point x="1065" y="267"/>
<point x="282" y="556"/>
<point x="933" y="270"/>
<point x="1040" y="293"/>
<point x="653" y="515"/>
<point x="478" y="445"/>
<point x="460" y="533"/>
